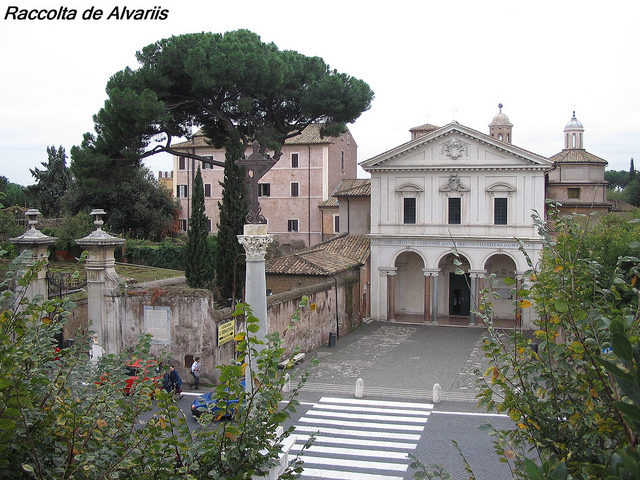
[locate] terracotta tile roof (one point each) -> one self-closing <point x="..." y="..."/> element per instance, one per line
<point x="327" y="258"/>
<point x="309" y="135"/>
<point x="329" y="202"/>
<point x="620" y="206"/>
<point x="198" y="140"/>
<point x="356" y="187"/>
<point x="427" y="127"/>
<point x="574" y="155"/>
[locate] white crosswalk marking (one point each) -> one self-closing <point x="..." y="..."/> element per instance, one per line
<point x="360" y="439"/>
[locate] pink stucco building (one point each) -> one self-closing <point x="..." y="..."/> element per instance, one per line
<point x="307" y="173"/>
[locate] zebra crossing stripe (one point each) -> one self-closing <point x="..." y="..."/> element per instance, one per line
<point x="337" y="475"/>
<point x="353" y="408"/>
<point x="356" y="433"/>
<point x="381" y="454"/>
<point x="351" y="433"/>
<point x="359" y="442"/>
<point x="345" y="462"/>
<point x="367" y="416"/>
<point x="376" y="403"/>
<point x="378" y="426"/>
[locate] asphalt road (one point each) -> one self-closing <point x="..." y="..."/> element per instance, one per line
<point x="399" y="365"/>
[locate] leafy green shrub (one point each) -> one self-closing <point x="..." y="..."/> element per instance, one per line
<point x="65" y="416"/>
<point x="72" y="229"/>
<point x="166" y="254"/>
<point x="569" y="411"/>
<point x="9" y="228"/>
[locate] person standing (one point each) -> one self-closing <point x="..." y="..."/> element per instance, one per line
<point x="195" y="372"/>
<point x="172" y="381"/>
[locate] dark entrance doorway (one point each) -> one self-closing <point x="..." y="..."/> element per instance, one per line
<point x="459" y="295"/>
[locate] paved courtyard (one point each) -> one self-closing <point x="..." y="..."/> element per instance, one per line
<point x="403" y="361"/>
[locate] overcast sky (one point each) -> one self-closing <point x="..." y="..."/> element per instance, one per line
<point x="427" y="62"/>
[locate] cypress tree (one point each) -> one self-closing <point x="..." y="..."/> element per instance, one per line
<point x="199" y="260"/>
<point x="233" y="213"/>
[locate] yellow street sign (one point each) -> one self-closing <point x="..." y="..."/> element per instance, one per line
<point x="226" y="332"/>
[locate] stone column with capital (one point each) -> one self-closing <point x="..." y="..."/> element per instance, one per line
<point x="255" y="242"/>
<point x="427" y="297"/>
<point x="37" y="243"/>
<point x="102" y="282"/>
<point x="436" y="288"/>
<point x="391" y="275"/>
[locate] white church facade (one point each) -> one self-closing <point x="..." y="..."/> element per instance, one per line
<point x="453" y="197"/>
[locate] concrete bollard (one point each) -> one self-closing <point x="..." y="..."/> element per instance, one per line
<point x="436" y="393"/>
<point x="359" y="388"/>
<point x="286" y="388"/>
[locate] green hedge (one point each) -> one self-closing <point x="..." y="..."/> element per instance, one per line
<point x="163" y="255"/>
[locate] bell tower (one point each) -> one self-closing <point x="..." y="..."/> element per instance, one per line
<point x="500" y="127"/>
<point x="573" y="134"/>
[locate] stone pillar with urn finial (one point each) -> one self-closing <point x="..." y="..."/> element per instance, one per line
<point x="102" y="282"/>
<point x="35" y="244"/>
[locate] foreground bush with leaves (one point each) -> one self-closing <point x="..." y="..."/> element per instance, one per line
<point x="250" y="444"/>
<point x="573" y="390"/>
<point x="64" y="416"/>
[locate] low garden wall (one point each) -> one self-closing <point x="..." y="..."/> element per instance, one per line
<point x="185" y="322"/>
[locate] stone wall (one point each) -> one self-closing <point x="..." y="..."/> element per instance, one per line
<point x="77" y="321"/>
<point x="192" y="321"/>
<point x="320" y="317"/>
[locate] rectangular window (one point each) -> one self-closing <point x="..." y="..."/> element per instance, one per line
<point x="207" y="189"/>
<point x="342" y="159"/>
<point x="573" y="192"/>
<point x="410" y="210"/>
<point x="182" y="163"/>
<point x="209" y="224"/>
<point x="264" y="189"/>
<point x="207" y="166"/>
<point x="293" y="225"/>
<point x="500" y="211"/>
<point x="336" y="223"/>
<point x="182" y="191"/>
<point x="455" y="211"/>
<point x="295" y="189"/>
<point x="294" y="160"/>
<point x="183" y="225"/>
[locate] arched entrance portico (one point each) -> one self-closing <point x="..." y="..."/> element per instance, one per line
<point x="455" y="301"/>
<point x="502" y="301"/>
<point x="408" y="291"/>
<point x="446" y="289"/>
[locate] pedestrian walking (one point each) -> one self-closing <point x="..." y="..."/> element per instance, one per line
<point x="172" y="381"/>
<point x="195" y="373"/>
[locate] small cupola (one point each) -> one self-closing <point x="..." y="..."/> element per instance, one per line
<point x="500" y="127"/>
<point x="574" y="134"/>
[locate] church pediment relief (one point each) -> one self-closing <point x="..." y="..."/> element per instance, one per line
<point x="454" y="149"/>
<point x="454" y="185"/>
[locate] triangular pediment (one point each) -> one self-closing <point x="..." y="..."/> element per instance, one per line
<point x="455" y="146"/>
